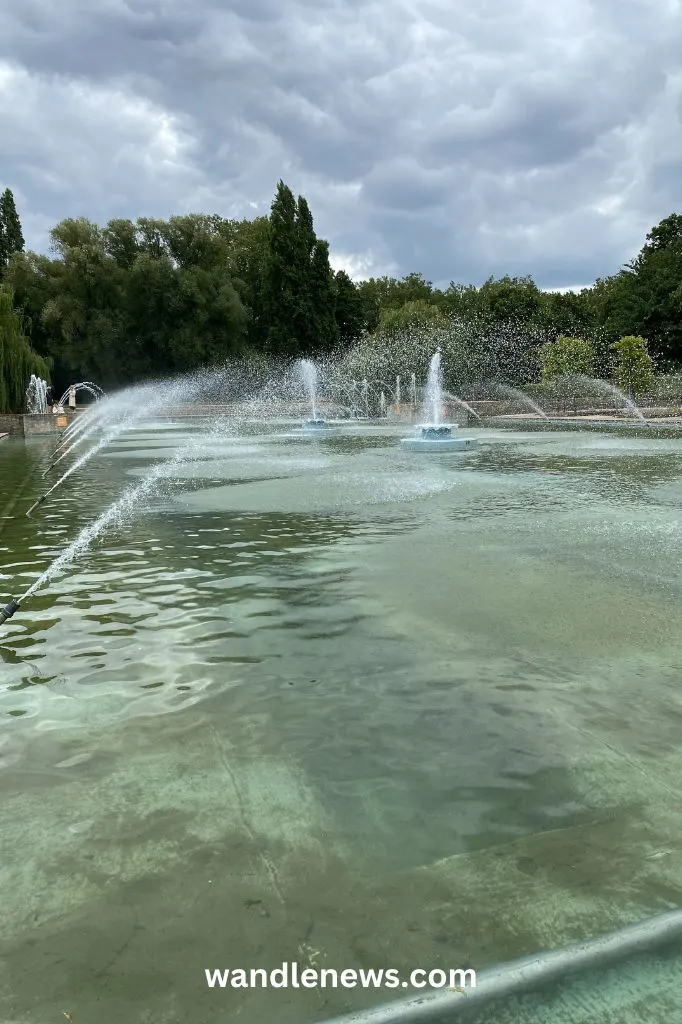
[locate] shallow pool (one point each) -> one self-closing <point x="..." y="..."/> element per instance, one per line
<point x="327" y="701"/>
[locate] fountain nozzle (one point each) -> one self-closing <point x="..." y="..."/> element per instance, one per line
<point x="36" y="503"/>
<point x="8" y="611"/>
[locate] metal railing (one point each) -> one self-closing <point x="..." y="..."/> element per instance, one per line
<point x="522" y="976"/>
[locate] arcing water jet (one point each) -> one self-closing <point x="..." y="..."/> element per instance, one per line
<point x="148" y="399"/>
<point x="117" y="513"/>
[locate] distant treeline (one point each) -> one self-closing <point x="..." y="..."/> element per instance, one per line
<point x="127" y="301"/>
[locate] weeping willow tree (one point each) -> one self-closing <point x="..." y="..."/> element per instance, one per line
<point x="17" y="359"/>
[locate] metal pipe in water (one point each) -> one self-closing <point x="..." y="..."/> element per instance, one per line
<point x="439" y="1005"/>
<point x="40" y="500"/>
<point x="8" y="611"/>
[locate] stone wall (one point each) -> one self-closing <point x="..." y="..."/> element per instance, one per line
<point x="11" y="424"/>
<point x="31" y="425"/>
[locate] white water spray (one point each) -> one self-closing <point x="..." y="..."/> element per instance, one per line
<point x="434" y="390"/>
<point x="308" y="372"/>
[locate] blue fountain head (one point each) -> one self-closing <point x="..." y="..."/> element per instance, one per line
<point x="436" y="433"/>
<point x="315" y="424"/>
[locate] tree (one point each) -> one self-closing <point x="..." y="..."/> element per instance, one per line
<point x="307" y="329"/>
<point x="247" y="243"/>
<point x="281" y="281"/>
<point x="644" y="297"/>
<point x="349" y="310"/>
<point x="31" y="278"/>
<point x="17" y="359"/>
<point x="666" y="235"/>
<point x="410" y="317"/>
<point x="461" y="300"/>
<point x="121" y="242"/>
<point x="634" y="369"/>
<point x="567" y="356"/>
<point x="11" y="237"/>
<point x="510" y="299"/>
<point x="382" y="293"/>
<point x="84" y="313"/>
<point x="323" y="298"/>
<point x="564" y="313"/>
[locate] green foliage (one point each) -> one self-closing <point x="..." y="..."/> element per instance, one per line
<point x="322" y="293"/>
<point x="11" y="237"/>
<point x="634" y="369"/>
<point x="348" y="310"/>
<point x="383" y="293"/>
<point x="567" y="356"/>
<point x="411" y="316"/>
<point x="281" y="277"/>
<point x="17" y="359"/>
<point x="510" y="298"/>
<point x="148" y="297"/>
<point x="645" y="297"/>
<point x="132" y="300"/>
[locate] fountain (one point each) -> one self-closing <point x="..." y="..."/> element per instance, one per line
<point x="118" y="513"/>
<point x="606" y="388"/>
<point x="308" y="372"/>
<point x="521" y="396"/>
<point x="36" y="396"/>
<point x="435" y="436"/>
<point x="84" y="385"/>
<point x="124" y="411"/>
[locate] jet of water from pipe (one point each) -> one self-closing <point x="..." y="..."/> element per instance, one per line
<point x="122" y="509"/>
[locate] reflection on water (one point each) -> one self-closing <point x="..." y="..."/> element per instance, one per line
<point x="329" y="695"/>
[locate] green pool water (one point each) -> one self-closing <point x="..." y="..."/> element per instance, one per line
<point x="326" y="701"/>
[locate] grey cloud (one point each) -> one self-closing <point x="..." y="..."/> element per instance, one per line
<point x="458" y="140"/>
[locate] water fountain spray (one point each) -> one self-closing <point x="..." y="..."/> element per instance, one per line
<point x="448" y="395"/>
<point x="309" y="375"/>
<point x="147" y="399"/>
<point x="81" y="422"/>
<point x="118" y="512"/>
<point x="76" y="427"/>
<point x="83" y="385"/>
<point x="434" y="435"/>
<point x="505" y="389"/>
<point x="131" y="405"/>
<point x="36" y="396"/>
<point x="606" y="388"/>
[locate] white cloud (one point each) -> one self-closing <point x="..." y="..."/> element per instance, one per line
<point x="430" y="135"/>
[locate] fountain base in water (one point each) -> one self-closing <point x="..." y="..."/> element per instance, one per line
<point x="437" y="438"/>
<point x="314" y="425"/>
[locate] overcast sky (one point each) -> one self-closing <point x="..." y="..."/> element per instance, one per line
<point x="455" y="138"/>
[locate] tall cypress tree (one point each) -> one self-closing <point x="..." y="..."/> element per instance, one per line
<point x="281" y="277"/>
<point x="306" y="321"/>
<point x="323" y="294"/>
<point x="11" y="237"/>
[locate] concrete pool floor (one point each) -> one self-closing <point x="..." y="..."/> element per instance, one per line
<point x="202" y="857"/>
